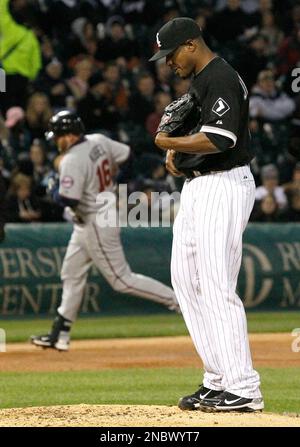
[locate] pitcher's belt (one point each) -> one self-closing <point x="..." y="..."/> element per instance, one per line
<point x="194" y="174"/>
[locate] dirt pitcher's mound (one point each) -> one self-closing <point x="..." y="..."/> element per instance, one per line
<point x="136" y="416"/>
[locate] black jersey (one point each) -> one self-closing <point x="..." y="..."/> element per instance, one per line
<point x="223" y="100"/>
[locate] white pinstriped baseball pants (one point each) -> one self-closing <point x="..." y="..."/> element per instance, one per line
<point x="206" y="259"/>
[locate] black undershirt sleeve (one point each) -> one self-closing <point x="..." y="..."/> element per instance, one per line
<point x="222" y="143"/>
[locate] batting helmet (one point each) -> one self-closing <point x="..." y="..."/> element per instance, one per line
<point x="63" y="123"/>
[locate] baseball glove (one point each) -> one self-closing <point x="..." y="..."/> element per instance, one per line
<point x="180" y="116"/>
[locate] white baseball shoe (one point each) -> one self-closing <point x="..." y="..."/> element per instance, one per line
<point x="62" y="342"/>
<point x="230" y="402"/>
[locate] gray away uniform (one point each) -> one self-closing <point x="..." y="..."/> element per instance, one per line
<point x="86" y="171"/>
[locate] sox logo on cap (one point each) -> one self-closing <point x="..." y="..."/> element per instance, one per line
<point x="157" y="40"/>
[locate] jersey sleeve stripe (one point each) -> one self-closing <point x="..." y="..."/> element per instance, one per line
<point x="216" y="130"/>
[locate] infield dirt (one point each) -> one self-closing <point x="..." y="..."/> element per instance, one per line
<point x="272" y="350"/>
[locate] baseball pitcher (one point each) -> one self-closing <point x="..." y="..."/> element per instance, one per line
<point x="216" y="202"/>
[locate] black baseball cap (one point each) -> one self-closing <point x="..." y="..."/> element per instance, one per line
<point x="174" y="33"/>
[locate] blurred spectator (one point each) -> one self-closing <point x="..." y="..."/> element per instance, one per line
<point x="17" y="140"/>
<point x="159" y="12"/>
<point x="252" y="58"/>
<point x="52" y="83"/>
<point x="170" y="9"/>
<point x="161" y="101"/>
<point x="91" y="49"/>
<point x="269" y="110"/>
<point x="249" y="6"/>
<point x="292" y="214"/>
<point x="59" y="16"/>
<point x="141" y="103"/>
<point x="118" y="91"/>
<point x="83" y="40"/>
<point x="21" y="204"/>
<point x="97" y="109"/>
<point x="20" y="57"/>
<point x="270" y="185"/>
<point x="84" y="30"/>
<point x="293" y="187"/>
<point x="78" y="84"/>
<point x="267" y="102"/>
<point x="133" y="12"/>
<point x="289" y="56"/>
<point x="256" y="17"/>
<point x="271" y="30"/>
<point x="7" y="152"/>
<point x="38" y="113"/>
<point x="2" y="207"/>
<point x="41" y="166"/>
<point x="296" y="14"/>
<point x="24" y="166"/>
<point x="266" y="210"/>
<point x="3" y="129"/>
<point x="96" y="11"/>
<point x="117" y="43"/>
<point x="163" y="76"/>
<point x="48" y="53"/>
<point x="13" y="116"/>
<point x="290" y="10"/>
<point x="294" y="146"/>
<point x="229" y="23"/>
<point x="201" y="18"/>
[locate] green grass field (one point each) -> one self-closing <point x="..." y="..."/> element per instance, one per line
<point x="133" y="386"/>
<point x="136" y="386"/>
<point x="142" y="326"/>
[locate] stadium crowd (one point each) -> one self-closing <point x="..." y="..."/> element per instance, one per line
<point x="91" y="56"/>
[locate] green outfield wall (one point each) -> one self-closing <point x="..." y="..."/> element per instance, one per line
<point x="32" y="255"/>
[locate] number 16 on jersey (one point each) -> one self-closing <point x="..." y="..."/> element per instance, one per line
<point x="104" y="175"/>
